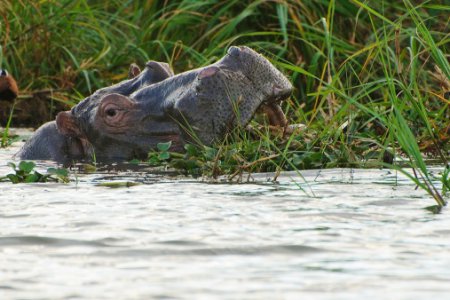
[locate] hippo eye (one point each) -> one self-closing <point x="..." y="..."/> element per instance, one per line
<point x="3" y="72"/>
<point x="115" y="111"/>
<point x="111" y="112"/>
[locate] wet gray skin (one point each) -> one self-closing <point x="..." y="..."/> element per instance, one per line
<point x="129" y="119"/>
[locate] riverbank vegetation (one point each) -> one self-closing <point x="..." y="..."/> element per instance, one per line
<point x="371" y="78"/>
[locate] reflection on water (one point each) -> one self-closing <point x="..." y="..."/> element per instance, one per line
<point x="363" y="233"/>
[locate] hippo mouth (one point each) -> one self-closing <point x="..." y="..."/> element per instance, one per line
<point x="270" y="85"/>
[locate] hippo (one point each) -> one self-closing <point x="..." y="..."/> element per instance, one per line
<point x="127" y="120"/>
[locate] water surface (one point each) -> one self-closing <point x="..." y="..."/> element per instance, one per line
<point x="349" y="234"/>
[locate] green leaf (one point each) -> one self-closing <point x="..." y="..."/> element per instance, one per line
<point x="164" y="146"/>
<point x="61" y="172"/>
<point x="186" y="164"/>
<point x="191" y="150"/>
<point x="153" y="160"/>
<point x="435" y="209"/>
<point x="210" y="153"/>
<point x="32" y="178"/>
<point x="26" y="166"/>
<point x="13" y="178"/>
<point x="164" y="156"/>
<point x="12" y="165"/>
<point x="88" y="168"/>
<point x="51" y="170"/>
<point x="134" y="162"/>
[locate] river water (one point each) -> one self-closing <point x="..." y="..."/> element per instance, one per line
<point x="349" y="234"/>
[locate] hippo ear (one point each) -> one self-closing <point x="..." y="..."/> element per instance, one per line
<point x="67" y="125"/>
<point x="133" y="71"/>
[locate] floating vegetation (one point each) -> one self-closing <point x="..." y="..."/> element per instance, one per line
<point x="25" y="172"/>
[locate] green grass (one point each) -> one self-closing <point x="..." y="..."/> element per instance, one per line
<point x="6" y="139"/>
<point x="368" y="75"/>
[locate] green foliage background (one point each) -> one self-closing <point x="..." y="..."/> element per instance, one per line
<point x="366" y="52"/>
<point x="83" y="45"/>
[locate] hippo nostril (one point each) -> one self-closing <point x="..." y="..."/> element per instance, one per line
<point x="280" y="93"/>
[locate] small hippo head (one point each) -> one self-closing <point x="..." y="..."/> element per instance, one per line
<point x="128" y="119"/>
<point x="105" y="122"/>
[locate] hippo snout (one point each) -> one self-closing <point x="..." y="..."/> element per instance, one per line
<point x="263" y="75"/>
<point x="280" y="93"/>
<point x="228" y="93"/>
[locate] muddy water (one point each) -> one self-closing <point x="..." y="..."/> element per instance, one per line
<point x="349" y="234"/>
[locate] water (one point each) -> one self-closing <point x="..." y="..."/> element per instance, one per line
<point x="364" y="234"/>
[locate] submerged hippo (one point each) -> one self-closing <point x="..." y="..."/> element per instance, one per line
<point x="127" y="120"/>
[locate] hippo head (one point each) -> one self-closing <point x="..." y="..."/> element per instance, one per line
<point x="129" y="119"/>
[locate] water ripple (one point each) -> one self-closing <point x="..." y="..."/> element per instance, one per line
<point x="47" y="241"/>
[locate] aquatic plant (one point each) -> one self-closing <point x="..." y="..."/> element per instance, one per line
<point x="445" y="179"/>
<point x="7" y="139"/>
<point x="25" y="172"/>
<point x="161" y="155"/>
